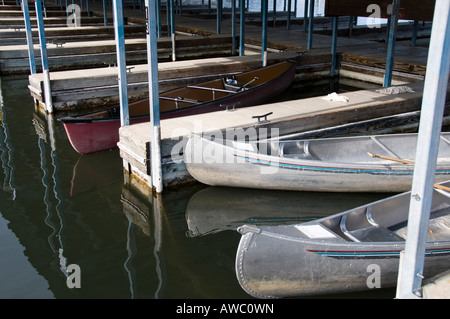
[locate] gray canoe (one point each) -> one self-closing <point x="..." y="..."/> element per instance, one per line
<point x="340" y="253"/>
<point x="328" y="164"/>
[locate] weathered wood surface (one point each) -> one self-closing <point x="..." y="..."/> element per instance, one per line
<point x="89" y="54"/>
<point x="98" y="87"/>
<point x="51" y="22"/>
<point x="288" y="117"/>
<point x="66" y="34"/>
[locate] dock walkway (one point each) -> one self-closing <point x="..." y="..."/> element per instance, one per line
<point x="362" y="50"/>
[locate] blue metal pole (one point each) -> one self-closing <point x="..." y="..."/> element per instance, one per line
<point x="153" y="88"/>
<point x="242" y="28"/>
<point x="274" y="13"/>
<point x="218" y="16"/>
<point x="334" y="46"/>
<point x="414" y="33"/>
<point x="264" y="32"/>
<point x="44" y="58"/>
<point x="233" y="27"/>
<point x="158" y="17"/>
<point x="391" y="44"/>
<point x="288" y="22"/>
<point x="168" y="6"/>
<point x="305" y="17"/>
<point x="433" y="103"/>
<point x="121" y="61"/>
<point x="172" y="27"/>
<point x="26" y="17"/>
<point x="105" y="15"/>
<point x="311" y="24"/>
<point x="45" y="8"/>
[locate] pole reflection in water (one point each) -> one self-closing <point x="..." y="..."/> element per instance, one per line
<point x="146" y="215"/>
<point x="6" y="149"/>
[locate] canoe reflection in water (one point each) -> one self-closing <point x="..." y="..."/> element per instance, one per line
<point x="216" y="209"/>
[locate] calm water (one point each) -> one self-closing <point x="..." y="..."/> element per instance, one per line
<point x="58" y="209"/>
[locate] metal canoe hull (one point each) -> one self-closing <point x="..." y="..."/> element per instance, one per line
<point x="355" y="250"/>
<point x="340" y="172"/>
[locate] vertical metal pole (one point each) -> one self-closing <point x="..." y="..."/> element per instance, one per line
<point x="242" y="28"/>
<point x="26" y="17"/>
<point x="105" y="15"/>
<point x="311" y="24"/>
<point x="264" y="32"/>
<point x="233" y="27"/>
<point x="44" y="58"/>
<point x="87" y="8"/>
<point x="351" y="21"/>
<point x="288" y="22"/>
<point x="414" y="33"/>
<point x="274" y="13"/>
<point x="334" y="46"/>
<point x="44" y="8"/>
<point x="121" y="61"/>
<point x="172" y="27"/>
<point x="168" y="6"/>
<point x="391" y="44"/>
<point x="305" y="17"/>
<point x="153" y="88"/>
<point x="218" y="16"/>
<point x="158" y="17"/>
<point x="433" y="102"/>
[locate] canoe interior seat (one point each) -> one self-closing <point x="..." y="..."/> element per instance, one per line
<point x="360" y="227"/>
<point x="298" y="150"/>
<point x="373" y="234"/>
<point x="231" y="84"/>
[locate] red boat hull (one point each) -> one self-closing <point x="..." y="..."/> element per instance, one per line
<point x="102" y="134"/>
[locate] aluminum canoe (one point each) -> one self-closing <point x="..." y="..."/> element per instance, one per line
<point x="340" y="164"/>
<point x="355" y="250"/>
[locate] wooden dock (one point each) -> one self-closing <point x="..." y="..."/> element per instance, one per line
<point x="287" y="118"/>
<point x="100" y="53"/>
<point x="77" y="90"/>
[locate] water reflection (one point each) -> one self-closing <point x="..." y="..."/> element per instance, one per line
<point x="6" y="150"/>
<point x="50" y="176"/>
<point x="216" y="209"/>
<point x="65" y="208"/>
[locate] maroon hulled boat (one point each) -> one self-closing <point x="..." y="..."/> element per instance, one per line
<point x="99" y="131"/>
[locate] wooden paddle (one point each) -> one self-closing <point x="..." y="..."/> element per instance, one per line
<point x="399" y="160"/>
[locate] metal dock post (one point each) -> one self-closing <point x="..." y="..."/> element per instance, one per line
<point x="433" y="102"/>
